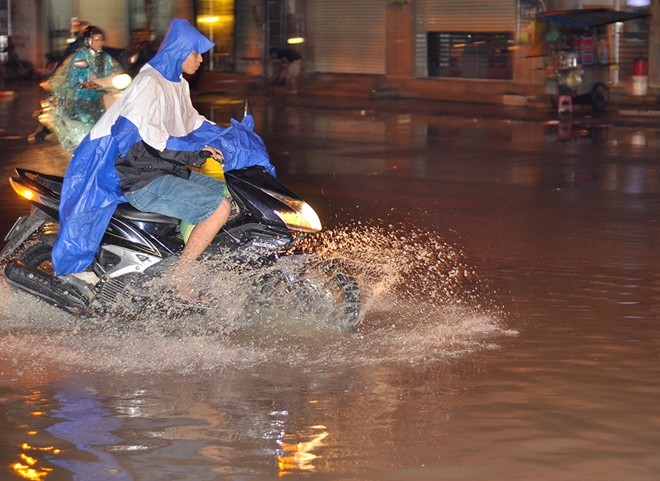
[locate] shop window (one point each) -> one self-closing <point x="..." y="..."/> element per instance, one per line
<point x="470" y="55"/>
<point x="215" y="19"/>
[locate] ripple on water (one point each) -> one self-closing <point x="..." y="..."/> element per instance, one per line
<point x="421" y="300"/>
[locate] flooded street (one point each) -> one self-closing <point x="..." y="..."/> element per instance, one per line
<point x="510" y="279"/>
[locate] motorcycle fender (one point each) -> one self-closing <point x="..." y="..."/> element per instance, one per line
<point x="21" y="230"/>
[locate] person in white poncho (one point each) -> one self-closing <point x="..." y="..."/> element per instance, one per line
<point x="140" y="150"/>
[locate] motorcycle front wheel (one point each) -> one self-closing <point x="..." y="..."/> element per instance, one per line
<point x="313" y="291"/>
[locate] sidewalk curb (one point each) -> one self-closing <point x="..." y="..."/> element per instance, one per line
<point x="639" y="113"/>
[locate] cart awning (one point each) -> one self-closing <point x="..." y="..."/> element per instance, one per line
<point x="589" y="18"/>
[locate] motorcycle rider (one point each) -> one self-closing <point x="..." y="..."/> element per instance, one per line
<point x="139" y="151"/>
<point x="73" y="85"/>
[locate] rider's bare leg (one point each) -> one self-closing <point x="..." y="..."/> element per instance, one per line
<point x="204" y="232"/>
<point x="183" y="274"/>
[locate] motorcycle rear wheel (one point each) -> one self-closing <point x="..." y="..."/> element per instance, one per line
<point x="38" y="256"/>
<point x="33" y="271"/>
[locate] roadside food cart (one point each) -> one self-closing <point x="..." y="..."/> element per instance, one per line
<point x="576" y="47"/>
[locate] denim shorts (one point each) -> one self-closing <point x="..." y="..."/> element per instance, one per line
<point x="192" y="200"/>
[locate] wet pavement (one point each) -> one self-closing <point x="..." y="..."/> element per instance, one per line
<point x="23" y="97"/>
<point x="510" y="273"/>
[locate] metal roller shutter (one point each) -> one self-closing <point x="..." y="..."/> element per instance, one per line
<point x="349" y="36"/>
<point x="470" y="15"/>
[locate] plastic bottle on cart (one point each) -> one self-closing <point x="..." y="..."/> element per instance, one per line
<point x="640" y="77"/>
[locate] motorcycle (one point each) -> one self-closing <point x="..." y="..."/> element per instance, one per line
<point x="262" y="232"/>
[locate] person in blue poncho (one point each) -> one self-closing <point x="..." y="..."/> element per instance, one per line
<point x="140" y="150"/>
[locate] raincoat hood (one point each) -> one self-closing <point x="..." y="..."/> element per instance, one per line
<point x="181" y="39"/>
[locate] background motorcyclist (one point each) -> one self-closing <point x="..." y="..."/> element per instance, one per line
<point x="131" y="60"/>
<point x="77" y="95"/>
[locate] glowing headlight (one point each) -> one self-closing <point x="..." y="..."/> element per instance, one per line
<point x="121" y="81"/>
<point x="22" y="190"/>
<point x="301" y="216"/>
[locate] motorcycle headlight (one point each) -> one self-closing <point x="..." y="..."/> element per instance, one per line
<point x="22" y="190"/>
<point x="121" y="81"/>
<point x="301" y="215"/>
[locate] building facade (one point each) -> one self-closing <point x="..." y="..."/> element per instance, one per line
<point x="418" y="48"/>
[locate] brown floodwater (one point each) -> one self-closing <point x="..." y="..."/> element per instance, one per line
<point x="511" y="290"/>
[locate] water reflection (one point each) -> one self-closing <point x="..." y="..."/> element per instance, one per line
<point x="568" y="152"/>
<point x="89" y="426"/>
<point x="567" y="232"/>
<point x="567" y="129"/>
<point x="68" y="431"/>
<point x="299" y="450"/>
<point x="29" y="467"/>
<point x="34" y="455"/>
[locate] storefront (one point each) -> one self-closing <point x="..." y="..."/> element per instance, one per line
<point x="410" y="44"/>
<point x="348" y="36"/>
<point x="468" y="39"/>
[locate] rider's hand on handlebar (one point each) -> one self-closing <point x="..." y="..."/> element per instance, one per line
<point x="209" y="151"/>
<point x="87" y="85"/>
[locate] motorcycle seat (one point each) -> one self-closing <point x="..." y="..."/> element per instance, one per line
<point x="127" y="211"/>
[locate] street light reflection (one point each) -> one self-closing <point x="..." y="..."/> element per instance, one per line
<point x="27" y="467"/>
<point x="299" y="456"/>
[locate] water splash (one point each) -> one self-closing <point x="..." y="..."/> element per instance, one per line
<point x="397" y="265"/>
<point x="420" y="298"/>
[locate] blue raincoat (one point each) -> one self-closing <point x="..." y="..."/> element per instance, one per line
<point x="156" y="109"/>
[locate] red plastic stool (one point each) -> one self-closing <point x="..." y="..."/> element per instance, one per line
<point x="565" y="104"/>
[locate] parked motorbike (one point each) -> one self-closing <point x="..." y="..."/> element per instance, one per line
<point x="261" y="233"/>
